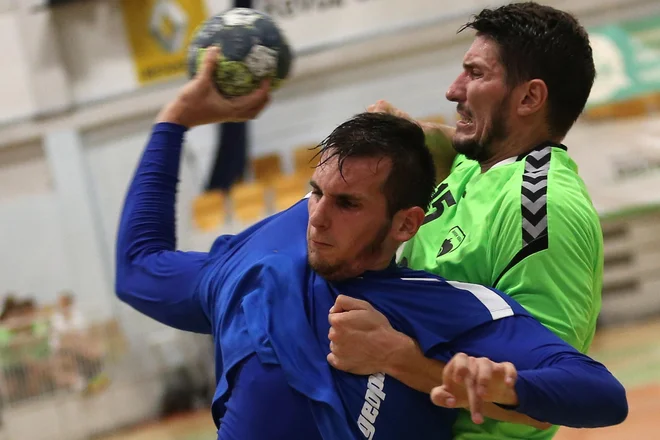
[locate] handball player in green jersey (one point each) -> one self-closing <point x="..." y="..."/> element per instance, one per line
<point x="512" y="212"/>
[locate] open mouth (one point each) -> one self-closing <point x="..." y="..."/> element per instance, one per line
<point x="465" y="118"/>
<point x="464" y="121"/>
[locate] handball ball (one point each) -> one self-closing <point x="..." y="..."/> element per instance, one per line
<point x="252" y="49"/>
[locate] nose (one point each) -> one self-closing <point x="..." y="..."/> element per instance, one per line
<point x="319" y="216"/>
<point x="456" y="91"/>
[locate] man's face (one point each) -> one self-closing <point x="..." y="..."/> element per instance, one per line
<point x="482" y="98"/>
<point x="348" y="217"/>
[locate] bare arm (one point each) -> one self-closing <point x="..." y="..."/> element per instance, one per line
<point x="438" y="141"/>
<point x="438" y="138"/>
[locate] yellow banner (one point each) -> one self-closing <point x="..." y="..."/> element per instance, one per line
<point x="159" y="32"/>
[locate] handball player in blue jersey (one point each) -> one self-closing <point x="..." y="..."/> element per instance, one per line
<point x="266" y="294"/>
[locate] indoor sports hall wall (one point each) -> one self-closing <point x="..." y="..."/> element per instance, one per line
<point x="76" y="54"/>
<point x="81" y="163"/>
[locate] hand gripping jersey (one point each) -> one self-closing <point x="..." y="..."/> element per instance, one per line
<point x="526" y="227"/>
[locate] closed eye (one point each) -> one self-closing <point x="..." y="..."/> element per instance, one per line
<point x="346" y="203"/>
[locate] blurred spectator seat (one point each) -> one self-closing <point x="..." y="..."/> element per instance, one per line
<point x="305" y="159"/>
<point x="267" y="168"/>
<point x="288" y="190"/>
<point x="632" y="268"/>
<point x="248" y="200"/>
<point x="209" y="210"/>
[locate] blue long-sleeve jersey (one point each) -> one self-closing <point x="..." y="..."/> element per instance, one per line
<point x="256" y="294"/>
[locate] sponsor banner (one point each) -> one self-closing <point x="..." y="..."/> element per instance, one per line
<point x="159" y="32"/>
<point x="619" y="162"/>
<point x="627" y="58"/>
<point x="313" y="23"/>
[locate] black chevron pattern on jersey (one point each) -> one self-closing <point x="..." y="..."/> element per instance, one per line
<point x="534" y="195"/>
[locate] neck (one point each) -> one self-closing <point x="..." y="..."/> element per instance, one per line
<point x="519" y="142"/>
<point x="382" y="262"/>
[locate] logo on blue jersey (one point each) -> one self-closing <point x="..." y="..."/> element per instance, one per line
<point x="372" y="399"/>
<point x="454" y="239"/>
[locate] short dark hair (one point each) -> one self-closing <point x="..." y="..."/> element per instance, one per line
<point x="411" y="180"/>
<point x="541" y="42"/>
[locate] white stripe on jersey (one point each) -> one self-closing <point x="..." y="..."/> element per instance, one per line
<point x="420" y="279"/>
<point x="495" y="304"/>
<point x="308" y="195"/>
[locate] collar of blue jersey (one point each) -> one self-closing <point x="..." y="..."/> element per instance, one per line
<point x="541" y="146"/>
<point x="392" y="267"/>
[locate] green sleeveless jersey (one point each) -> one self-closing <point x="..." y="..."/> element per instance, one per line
<point x="527" y="227"/>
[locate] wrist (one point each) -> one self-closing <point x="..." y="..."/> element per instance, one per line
<point x="174" y="113"/>
<point x="403" y="349"/>
<point x="509" y="399"/>
<point x="439" y="137"/>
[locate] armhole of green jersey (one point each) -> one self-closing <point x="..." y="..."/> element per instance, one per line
<point x="538" y="245"/>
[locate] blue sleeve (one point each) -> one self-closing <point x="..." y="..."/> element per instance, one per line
<point x="151" y="275"/>
<point x="556" y="383"/>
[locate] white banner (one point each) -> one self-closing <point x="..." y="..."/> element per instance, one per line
<point x="310" y="25"/>
<point x="619" y="161"/>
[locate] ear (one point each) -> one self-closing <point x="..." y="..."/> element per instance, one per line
<point x="406" y="223"/>
<point x="533" y="97"/>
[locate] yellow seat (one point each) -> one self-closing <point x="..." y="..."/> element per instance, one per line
<point x="248" y="200"/>
<point x="286" y="201"/>
<point x="267" y="168"/>
<point x="209" y="210"/>
<point x="289" y="189"/>
<point x="305" y="160"/>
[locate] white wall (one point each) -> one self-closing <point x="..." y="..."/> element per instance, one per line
<point x="79" y="54"/>
<point x="78" y="187"/>
<point x="15" y="90"/>
<point x="32" y="257"/>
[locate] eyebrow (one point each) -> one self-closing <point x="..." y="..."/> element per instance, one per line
<point x="344" y="196"/>
<point x="472" y="65"/>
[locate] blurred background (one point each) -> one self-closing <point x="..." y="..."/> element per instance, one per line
<point x="80" y="84"/>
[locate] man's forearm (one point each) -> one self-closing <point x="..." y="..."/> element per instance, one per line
<point x="439" y="142"/>
<point x="147" y="220"/>
<point x="409" y="366"/>
<point x="575" y="391"/>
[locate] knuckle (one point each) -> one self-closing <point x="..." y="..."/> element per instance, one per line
<point x="338" y="320"/>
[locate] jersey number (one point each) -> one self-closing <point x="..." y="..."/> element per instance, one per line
<point x="446" y="197"/>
